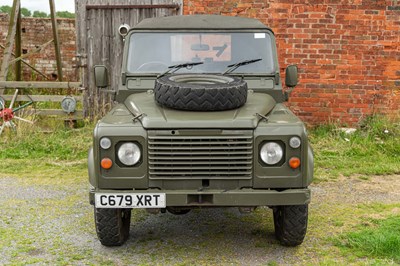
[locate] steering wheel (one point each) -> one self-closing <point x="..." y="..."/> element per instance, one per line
<point x="153" y="65"/>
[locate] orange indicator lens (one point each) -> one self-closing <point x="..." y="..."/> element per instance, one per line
<point x="294" y="162"/>
<point x="106" y="163"/>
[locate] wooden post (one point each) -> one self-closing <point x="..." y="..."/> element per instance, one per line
<point x="18" y="48"/>
<point x="56" y="40"/>
<point x="9" y="41"/>
<point x="81" y="39"/>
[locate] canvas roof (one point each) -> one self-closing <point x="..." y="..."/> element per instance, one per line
<point x="212" y="22"/>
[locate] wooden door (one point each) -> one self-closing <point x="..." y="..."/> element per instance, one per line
<point x="98" y="41"/>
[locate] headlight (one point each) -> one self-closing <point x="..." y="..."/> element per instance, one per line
<point x="295" y="142"/>
<point x="105" y="143"/>
<point x="129" y="154"/>
<point x="271" y="153"/>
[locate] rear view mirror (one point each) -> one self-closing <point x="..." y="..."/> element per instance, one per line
<point x="200" y="47"/>
<point x="291" y="76"/>
<point x="101" y="76"/>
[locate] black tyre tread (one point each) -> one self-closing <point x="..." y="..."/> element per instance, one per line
<point x="197" y="97"/>
<point x="112" y="225"/>
<point x="291" y="224"/>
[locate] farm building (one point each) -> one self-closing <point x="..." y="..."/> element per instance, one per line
<point x="348" y="52"/>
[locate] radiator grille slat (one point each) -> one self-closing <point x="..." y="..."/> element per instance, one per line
<point x="195" y="154"/>
<point x="194" y="143"/>
<point x="200" y="156"/>
<point x="192" y="148"/>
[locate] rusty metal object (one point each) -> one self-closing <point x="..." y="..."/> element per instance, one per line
<point x="8" y="114"/>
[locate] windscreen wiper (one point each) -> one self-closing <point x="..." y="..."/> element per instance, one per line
<point x="233" y="67"/>
<point x="174" y="68"/>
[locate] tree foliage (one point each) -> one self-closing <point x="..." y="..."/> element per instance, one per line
<point x="8" y="9"/>
<point x="5" y="9"/>
<point x="65" y="14"/>
<point x="25" y="12"/>
<point x="37" y="14"/>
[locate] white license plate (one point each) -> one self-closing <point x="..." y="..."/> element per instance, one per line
<point x="130" y="200"/>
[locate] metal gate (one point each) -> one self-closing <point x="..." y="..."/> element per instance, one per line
<point x="98" y="41"/>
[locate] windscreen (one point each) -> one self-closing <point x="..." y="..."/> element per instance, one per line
<point x="155" y="52"/>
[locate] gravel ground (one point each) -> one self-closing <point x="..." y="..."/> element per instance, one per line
<point x="40" y="225"/>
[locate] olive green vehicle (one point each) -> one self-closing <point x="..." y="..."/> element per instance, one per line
<point x="200" y="122"/>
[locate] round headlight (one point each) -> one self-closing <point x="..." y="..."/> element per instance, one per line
<point x="271" y="153"/>
<point x="129" y="153"/>
<point x="295" y="142"/>
<point x="105" y="143"/>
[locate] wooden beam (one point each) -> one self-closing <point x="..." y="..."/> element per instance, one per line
<point x="29" y="65"/>
<point x="169" y="6"/>
<point x="18" y="47"/>
<point x="9" y="41"/>
<point x="56" y="40"/>
<point x="57" y="112"/>
<point x="38" y="85"/>
<point x="38" y="49"/>
<point x="39" y="98"/>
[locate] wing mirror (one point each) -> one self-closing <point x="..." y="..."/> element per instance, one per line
<point x="291" y="79"/>
<point x="101" y="76"/>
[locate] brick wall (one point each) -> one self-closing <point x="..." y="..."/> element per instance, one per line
<point x="37" y="31"/>
<point x="348" y="52"/>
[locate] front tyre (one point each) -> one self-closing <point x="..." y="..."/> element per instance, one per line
<point x="291" y="224"/>
<point x="112" y="225"/>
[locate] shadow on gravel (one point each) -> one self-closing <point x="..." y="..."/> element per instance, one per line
<point x="56" y="227"/>
<point x="210" y="236"/>
<point x="204" y="224"/>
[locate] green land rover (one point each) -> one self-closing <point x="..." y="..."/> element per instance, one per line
<point x="200" y="122"/>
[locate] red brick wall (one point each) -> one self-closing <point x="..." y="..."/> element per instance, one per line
<point x="348" y="52"/>
<point x="37" y="31"/>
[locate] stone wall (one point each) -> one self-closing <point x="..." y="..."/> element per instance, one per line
<point x="37" y="31"/>
<point x="348" y="52"/>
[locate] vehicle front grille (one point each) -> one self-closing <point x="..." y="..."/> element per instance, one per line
<point x="205" y="154"/>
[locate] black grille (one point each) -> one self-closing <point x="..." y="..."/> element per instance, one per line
<point x="180" y="156"/>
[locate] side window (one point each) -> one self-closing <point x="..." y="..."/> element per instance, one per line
<point x="148" y="53"/>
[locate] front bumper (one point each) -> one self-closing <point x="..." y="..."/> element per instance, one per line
<point x="221" y="198"/>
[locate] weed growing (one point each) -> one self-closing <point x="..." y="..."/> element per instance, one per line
<point x="59" y="144"/>
<point x="372" y="150"/>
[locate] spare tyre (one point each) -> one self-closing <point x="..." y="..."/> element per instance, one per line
<point x="200" y="92"/>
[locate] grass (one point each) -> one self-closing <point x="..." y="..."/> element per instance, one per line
<point x="30" y="150"/>
<point x="60" y="144"/>
<point x="380" y="240"/>
<point x="372" y="150"/>
<point x="39" y="161"/>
